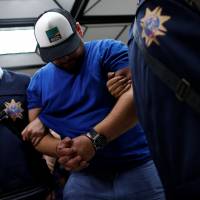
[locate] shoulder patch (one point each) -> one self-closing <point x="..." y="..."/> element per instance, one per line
<point x="14" y="109"/>
<point x="152" y="25"/>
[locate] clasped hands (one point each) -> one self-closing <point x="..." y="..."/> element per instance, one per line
<point x="74" y="154"/>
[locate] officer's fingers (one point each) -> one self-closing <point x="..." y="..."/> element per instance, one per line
<point x="33" y="141"/>
<point x="124" y="80"/>
<point x="122" y="88"/>
<point x="111" y="75"/>
<point x="129" y="81"/>
<point x="127" y="87"/>
<point x="36" y="140"/>
<point x="29" y="133"/>
<point x="118" y="85"/>
<point x="117" y="90"/>
<point x="113" y="81"/>
<point x="25" y="134"/>
<point x="111" y="88"/>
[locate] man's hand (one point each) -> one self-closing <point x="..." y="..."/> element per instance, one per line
<point x="34" y="131"/>
<point x="118" y="84"/>
<point x="75" y="154"/>
<point x="66" y="153"/>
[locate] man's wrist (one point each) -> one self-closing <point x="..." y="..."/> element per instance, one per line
<point x="57" y="150"/>
<point x="98" y="141"/>
<point x="91" y="141"/>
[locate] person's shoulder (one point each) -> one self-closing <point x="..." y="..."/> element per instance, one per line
<point x="113" y="44"/>
<point x="43" y="70"/>
<point x="105" y="44"/>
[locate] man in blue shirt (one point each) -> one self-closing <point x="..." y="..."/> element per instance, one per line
<point x="169" y="32"/>
<point x="71" y="98"/>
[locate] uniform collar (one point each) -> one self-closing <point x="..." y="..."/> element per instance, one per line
<point x="1" y="73"/>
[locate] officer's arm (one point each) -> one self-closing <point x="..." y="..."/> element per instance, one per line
<point x="39" y="135"/>
<point x="35" y="130"/>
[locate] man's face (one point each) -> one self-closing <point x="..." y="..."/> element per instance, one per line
<point x="72" y="61"/>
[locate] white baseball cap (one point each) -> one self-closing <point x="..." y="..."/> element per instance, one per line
<point x="55" y="32"/>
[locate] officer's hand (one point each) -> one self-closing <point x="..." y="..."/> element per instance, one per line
<point x="82" y="150"/>
<point x="34" y="131"/>
<point x="118" y="84"/>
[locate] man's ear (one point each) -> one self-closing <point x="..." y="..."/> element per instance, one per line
<point x="79" y="29"/>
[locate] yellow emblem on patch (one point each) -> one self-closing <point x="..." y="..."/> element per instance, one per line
<point x="152" y="25"/>
<point x="14" y="110"/>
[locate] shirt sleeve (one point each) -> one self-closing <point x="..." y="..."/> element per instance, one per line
<point x="34" y="91"/>
<point x="114" y="55"/>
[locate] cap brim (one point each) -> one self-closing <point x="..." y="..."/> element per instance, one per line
<point x="65" y="48"/>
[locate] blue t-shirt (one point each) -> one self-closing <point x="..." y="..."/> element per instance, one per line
<point x="170" y="32"/>
<point x="74" y="103"/>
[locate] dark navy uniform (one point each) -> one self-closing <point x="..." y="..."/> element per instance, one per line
<point x="23" y="173"/>
<point x="170" y="32"/>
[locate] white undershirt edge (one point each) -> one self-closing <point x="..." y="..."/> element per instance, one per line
<point x="1" y="73"/>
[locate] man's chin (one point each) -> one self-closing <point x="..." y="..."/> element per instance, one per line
<point x="73" y="68"/>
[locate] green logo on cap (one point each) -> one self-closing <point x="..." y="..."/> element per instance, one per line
<point x="53" y="34"/>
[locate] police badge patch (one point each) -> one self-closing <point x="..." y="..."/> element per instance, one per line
<point x="152" y="25"/>
<point x="14" y="110"/>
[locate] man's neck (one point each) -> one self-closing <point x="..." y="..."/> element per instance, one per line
<point x="1" y="73"/>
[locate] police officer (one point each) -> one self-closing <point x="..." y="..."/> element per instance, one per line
<point x="23" y="174"/>
<point x="164" y="57"/>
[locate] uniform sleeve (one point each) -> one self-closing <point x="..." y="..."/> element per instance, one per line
<point x="114" y="55"/>
<point x="34" y="91"/>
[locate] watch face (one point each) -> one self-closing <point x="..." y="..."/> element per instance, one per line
<point x="99" y="141"/>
